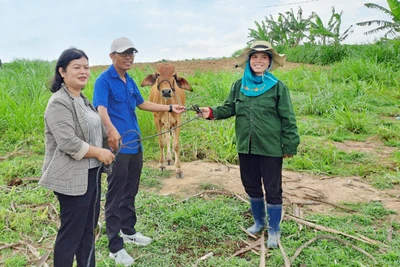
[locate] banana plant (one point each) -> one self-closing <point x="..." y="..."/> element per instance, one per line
<point x="298" y="26"/>
<point x="392" y="28"/>
<point x="278" y="29"/>
<point x="282" y="31"/>
<point x="260" y="33"/>
<point x="272" y="31"/>
<point x="291" y="29"/>
<point x="319" y="30"/>
<point x="329" y="33"/>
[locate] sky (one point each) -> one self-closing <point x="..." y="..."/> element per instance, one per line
<point x="159" y="29"/>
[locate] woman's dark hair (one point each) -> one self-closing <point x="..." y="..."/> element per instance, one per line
<point x="63" y="61"/>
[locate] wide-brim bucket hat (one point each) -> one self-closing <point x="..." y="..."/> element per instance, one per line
<point x="261" y="46"/>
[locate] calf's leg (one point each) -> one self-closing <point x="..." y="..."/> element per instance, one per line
<point x="175" y="135"/>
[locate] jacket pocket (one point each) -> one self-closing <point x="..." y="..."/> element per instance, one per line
<point x="61" y="167"/>
<point x="266" y="106"/>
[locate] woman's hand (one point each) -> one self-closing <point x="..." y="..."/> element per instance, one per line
<point x="287" y="156"/>
<point x="105" y="156"/>
<point x="205" y="112"/>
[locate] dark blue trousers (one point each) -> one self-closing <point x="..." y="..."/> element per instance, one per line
<point x="79" y="216"/>
<point x="123" y="185"/>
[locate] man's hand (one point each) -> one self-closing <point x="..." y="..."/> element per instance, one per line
<point x="114" y="139"/>
<point x="287" y="156"/>
<point x="178" y="109"/>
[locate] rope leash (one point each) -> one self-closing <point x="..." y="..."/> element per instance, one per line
<point x="139" y="140"/>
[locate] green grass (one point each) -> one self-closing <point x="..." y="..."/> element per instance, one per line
<point x="184" y="232"/>
<point x="383" y="52"/>
<point x="354" y="98"/>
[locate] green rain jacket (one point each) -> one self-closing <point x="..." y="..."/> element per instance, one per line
<point x="265" y="124"/>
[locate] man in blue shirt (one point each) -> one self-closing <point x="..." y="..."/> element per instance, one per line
<point x="116" y="97"/>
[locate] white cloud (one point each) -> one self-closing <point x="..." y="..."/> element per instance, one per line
<point x="197" y="29"/>
<point x="159" y="29"/>
<point x="155" y="26"/>
<point x="155" y="12"/>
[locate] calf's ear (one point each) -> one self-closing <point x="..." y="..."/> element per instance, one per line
<point x="149" y="80"/>
<point x="183" y="83"/>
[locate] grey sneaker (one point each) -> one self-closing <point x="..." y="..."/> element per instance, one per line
<point x="122" y="257"/>
<point x="137" y="239"/>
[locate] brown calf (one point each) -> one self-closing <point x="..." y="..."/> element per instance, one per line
<point x="166" y="88"/>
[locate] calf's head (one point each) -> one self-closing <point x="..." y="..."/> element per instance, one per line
<point x="166" y="81"/>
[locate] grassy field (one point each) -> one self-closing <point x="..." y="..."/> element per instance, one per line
<point x="354" y="99"/>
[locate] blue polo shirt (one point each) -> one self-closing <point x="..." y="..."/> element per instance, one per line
<point x="120" y="99"/>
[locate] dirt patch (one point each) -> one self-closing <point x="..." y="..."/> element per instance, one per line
<point x="189" y="67"/>
<point x="370" y="147"/>
<point x="316" y="193"/>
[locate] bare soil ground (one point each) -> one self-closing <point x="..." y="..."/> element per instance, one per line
<point x="321" y="194"/>
<point x="315" y="193"/>
<point x="189" y="67"/>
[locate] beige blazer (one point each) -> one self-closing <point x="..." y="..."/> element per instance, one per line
<point x="65" y="170"/>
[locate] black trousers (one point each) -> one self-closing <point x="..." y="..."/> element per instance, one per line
<point x="123" y="185"/>
<point x="257" y="172"/>
<point x="79" y="216"/>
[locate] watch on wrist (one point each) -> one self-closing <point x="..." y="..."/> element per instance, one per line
<point x="170" y="108"/>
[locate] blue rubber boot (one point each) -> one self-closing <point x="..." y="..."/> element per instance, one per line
<point x="258" y="211"/>
<point x="274" y="220"/>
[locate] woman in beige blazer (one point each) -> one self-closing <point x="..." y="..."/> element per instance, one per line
<point x="73" y="159"/>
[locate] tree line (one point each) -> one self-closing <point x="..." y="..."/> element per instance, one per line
<point x="291" y="29"/>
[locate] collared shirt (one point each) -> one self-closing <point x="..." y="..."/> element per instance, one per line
<point x="265" y="124"/>
<point x="121" y="100"/>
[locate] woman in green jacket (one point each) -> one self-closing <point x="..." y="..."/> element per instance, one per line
<point x="266" y="132"/>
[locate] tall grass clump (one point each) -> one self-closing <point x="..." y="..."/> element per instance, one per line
<point x="215" y="87"/>
<point x="388" y="132"/>
<point x="315" y="54"/>
<point x="364" y="69"/>
<point x="23" y="94"/>
<point x="319" y="156"/>
<point x="355" y="122"/>
<point x="385" y="52"/>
